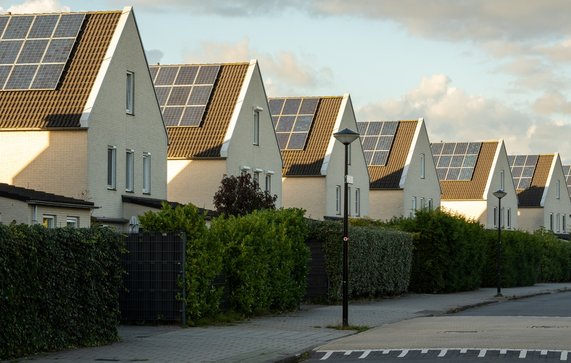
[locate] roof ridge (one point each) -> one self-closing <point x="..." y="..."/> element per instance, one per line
<point x="199" y="64"/>
<point x="62" y="12"/>
<point x="321" y="97"/>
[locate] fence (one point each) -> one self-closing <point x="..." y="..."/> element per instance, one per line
<point x="154" y="281"/>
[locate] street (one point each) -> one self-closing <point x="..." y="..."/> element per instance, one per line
<point x="532" y="329"/>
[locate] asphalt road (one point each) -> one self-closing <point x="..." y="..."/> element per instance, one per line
<point x="535" y="329"/>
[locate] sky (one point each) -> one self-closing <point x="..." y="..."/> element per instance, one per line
<point x="474" y="70"/>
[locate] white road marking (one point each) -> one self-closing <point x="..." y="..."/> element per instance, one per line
<point x="403" y="353"/>
<point x="503" y="351"/>
<point x="564" y="355"/>
<point x="424" y="351"/>
<point x="482" y="353"/>
<point x="365" y="354"/>
<point x="327" y="355"/>
<point x="386" y="351"/>
<point x="442" y="353"/>
<point x="543" y="352"/>
<point x="463" y="351"/>
<point x="522" y="354"/>
<point x="348" y="352"/>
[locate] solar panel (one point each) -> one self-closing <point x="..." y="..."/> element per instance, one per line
<point x="455" y="161"/>
<point x="184" y="92"/>
<point x="567" y="172"/>
<point x="293" y="118"/>
<point x="35" y="48"/>
<point x="522" y="168"/>
<point x="377" y="139"/>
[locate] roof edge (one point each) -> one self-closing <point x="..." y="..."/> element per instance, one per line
<point x="548" y="181"/>
<point x="336" y="126"/>
<point x="493" y="167"/>
<point x="408" y="160"/>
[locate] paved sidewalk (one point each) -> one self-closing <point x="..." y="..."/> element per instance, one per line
<point x="277" y="338"/>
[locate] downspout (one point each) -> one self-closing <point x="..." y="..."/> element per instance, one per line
<point x="35" y="214"/>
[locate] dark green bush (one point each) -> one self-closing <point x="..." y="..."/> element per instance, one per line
<point x="203" y="256"/>
<point x="58" y="288"/>
<point x="265" y="259"/>
<point x="379" y="259"/>
<point x="555" y="258"/>
<point x="449" y="251"/>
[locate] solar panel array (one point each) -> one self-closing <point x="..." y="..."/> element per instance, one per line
<point x="567" y="172"/>
<point x="377" y="138"/>
<point x="455" y="160"/>
<point x="34" y="49"/>
<point x="522" y="167"/>
<point x="184" y="91"/>
<point x="292" y="118"/>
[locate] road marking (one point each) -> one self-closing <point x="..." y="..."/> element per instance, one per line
<point x="386" y="351"/>
<point x="463" y="351"/>
<point x="442" y="353"/>
<point x="403" y="353"/>
<point x="365" y="354"/>
<point x="522" y="354"/>
<point x="503" y="351"/>
<point x="482" y="353"/>
<point x="348" y="352"/>
<point x="564" y="355"/>
<point x="424" y="351"/>
<point x="543" y="352"/>
<point x="327" y="355"/>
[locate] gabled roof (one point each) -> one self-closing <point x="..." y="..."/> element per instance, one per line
<point x="532" y="194"/>
<point x="309" y="160"/>
<point x="205" y="141"/>
<point x="31" y="196"/>
<point x="63" y="107"/>
<point x="474" y="188"/>
<point x="388" y="176"/>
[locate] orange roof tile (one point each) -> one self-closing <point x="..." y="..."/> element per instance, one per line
<point x="308" y="162"/>
<point x="531" y="197"/>
<point x="472" y="189"/>
<point x="62" y="107"/>
<point x="205" y="141"/>
<point x="389" y="175"/>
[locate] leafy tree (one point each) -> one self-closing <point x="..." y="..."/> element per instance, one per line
<point x="241" y="195"/>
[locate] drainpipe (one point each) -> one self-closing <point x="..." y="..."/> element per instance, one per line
<point x="35" y="214"/>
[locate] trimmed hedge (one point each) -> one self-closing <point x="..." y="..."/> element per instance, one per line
<point x="264" y="260"/>
<point x="379" y="259"/>
<point x="58" y="288"/>
<point x="555" y="263"/>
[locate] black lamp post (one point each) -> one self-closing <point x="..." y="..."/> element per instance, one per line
<point x="499" y="194"/>
<point x="346" y="137"/>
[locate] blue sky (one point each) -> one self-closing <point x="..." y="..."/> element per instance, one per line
<point x="475" y="70"/>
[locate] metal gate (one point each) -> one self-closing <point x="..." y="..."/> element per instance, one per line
<point x="154" y="286"/>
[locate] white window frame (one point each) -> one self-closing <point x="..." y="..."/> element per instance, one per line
<point x="422" y="203"/>
<point x="564" y="223"/>
<point x="256" y="177"/>
<point x="72" y="221"/>
<point x="422" y="166"/>
<point x="130" y="93"/>
<point x="413" y="207"/>
<point x="558" y="222"/>
<point x="338" y="199"/>
<point x="130" y="170"/>
<point x="147" y="173"/>
<point x="49" y="221"/>
<point x="551" y="222"/>
<point x="502" y="180"/>
<point x="256" y="126"/>
<point x="358" y="202"/>
<point x="430" y="204"/>
<point x="558" y="190"/>
<point x="269" y="183"/>
<point x="111" y="167"/>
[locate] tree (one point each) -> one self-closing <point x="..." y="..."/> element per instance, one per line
<point x="240" y="195"/>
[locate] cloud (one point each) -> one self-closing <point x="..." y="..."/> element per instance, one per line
<point x="154" y="56"/>
<point x="552" y="103"/>
<point x="283" y="72"/>
<point x="552" y="137"/>
<point x="454" y="115"/>
<point x="36" y="6"/>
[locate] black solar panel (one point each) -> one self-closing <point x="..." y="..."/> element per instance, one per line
<point x="184" y="92"/>
<point x="35" y="48"/>
<point x="293" y="118"/>
<point x="455" y="160"/>
<point x="522" y="168"/>
<point x="377" y="138"/>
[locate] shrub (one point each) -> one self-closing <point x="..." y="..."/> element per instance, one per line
<point x="555" y="265"/>
<point x="379" y="259"/>
<point x="203" y="256"/>
<point x="240" y="195"/>
<point x="58" y="288"/>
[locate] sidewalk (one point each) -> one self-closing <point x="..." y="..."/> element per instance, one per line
<point x="277" y="338"/>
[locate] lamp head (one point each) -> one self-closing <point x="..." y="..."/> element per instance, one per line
<point x="346" y="136"/>
<point x="500" y="194"/>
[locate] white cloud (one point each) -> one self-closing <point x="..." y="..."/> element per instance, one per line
<point x="284" y="73"/>
<point x="552" y="103"/>
<point x="36" y="6"/>
<point x="154" y="56"/>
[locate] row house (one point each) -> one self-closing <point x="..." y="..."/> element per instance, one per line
<point x="219" y="123"/>
<point x="78" y="114"/>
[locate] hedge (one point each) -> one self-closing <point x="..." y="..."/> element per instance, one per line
<point x="555" y="265"/>
<point x="58" y="288"/>
<point x="379" y="259"/>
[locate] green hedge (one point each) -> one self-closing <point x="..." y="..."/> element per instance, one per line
<point x="379" y="259"/>
<point x="555" y="263"/>
<point x="265" y="259"/>
<point x="449" y="251"/>
<point x="58" y="288"/>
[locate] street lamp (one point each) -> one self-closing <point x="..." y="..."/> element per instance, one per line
<point x="346" y="137"/>
<point x="499" y="194"/>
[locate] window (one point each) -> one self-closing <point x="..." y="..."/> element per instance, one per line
<point x="49" y="221"/>
<point x="509" y="218"/>
<point x="422" y="166"/>
<point x="338" y="199"/>
<point x="130" y="96"/>
<point x="257" y="178"/>
<point x="422" y="203"/>
<point x="558" y="190"/>
<point x="558" y="222"/>
<point x="129" y="170"/>
<point x="111" y="167"/>
<point x="72" y="222"/>
<point x="256" y="126"/>
<point x="146" y="173"/>
<point x="551" y="221"/>
<point x="564" y="223"/>
<point x="495" y="216"/>
<point x="430" y="204"/>
<point x="357" y="202"/>
<point x="502" y="180"/>
<point x="413" y="207"/>
<point x="269" y="183"/>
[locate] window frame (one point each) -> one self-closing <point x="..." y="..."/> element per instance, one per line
<point x="358" y="202"/>
<point x="147" y="176"/>
<point x="49" y="220"/>
<point x="338" y="199"/>
<point x="130" y="171"/>
<point x="111" y="167"/>
<point x="74" y="220"/>
<point x="269" y="183"/>
<point x="256" y="126"/>
<point x="130" y="93"/>
<point x="422" y="166"/>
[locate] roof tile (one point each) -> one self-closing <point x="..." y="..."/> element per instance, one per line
<point x="531" y="197"/>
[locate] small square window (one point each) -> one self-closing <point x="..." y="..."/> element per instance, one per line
<point x="72" y="222"/>
<point x="49" y="221"/>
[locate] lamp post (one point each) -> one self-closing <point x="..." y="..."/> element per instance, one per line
<point x="346" y="137"/>
<point x="499" y="194"/>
